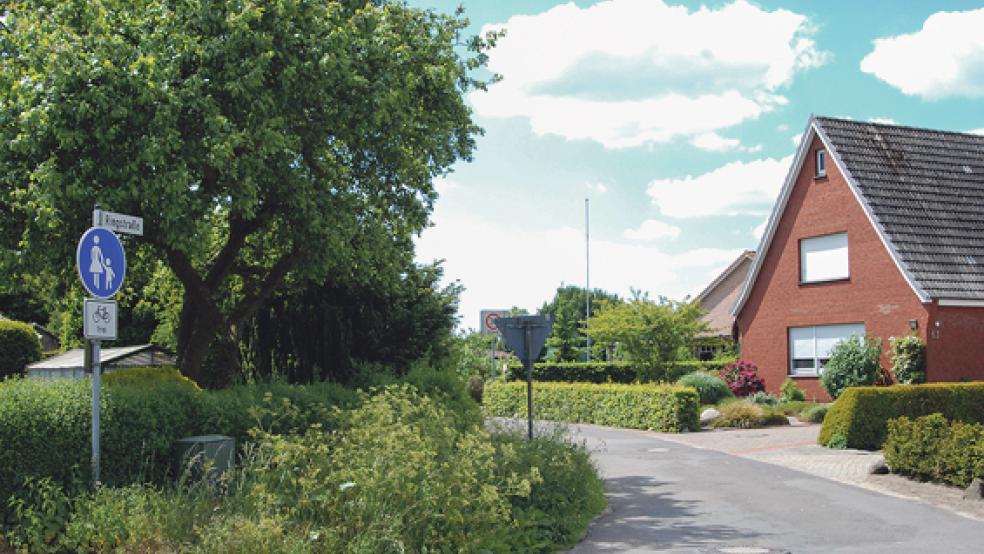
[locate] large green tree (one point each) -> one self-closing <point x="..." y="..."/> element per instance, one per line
<point x="651" y="334"/>
<point x="261" y="141"/>
<point x="567" y="341"/>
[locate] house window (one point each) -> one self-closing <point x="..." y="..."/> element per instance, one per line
<point x="809" y="347"/>
<point x="823" y="258"/>
<point x="821" y="163"/>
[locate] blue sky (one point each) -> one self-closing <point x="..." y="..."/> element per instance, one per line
<point x="677" y="120"/>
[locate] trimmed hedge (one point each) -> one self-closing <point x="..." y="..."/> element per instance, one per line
<point x="859" y="417"/>
<point x="605" y="372"/>
<point x="667" y="408"/>
<point x="932" y="448"/>
<point x="19" y="346"/>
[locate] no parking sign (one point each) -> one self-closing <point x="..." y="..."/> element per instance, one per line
<point x="487" y="326"/>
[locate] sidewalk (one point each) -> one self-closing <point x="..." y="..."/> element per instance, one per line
<point x="795" y="447"/>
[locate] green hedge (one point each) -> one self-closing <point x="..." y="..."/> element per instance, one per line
<point x="658" y="407"/>
<point x="934" y="449"/>
<point x="859" y="417"/>
<point x="19" y="346"/>
<point x="606" y="372"/>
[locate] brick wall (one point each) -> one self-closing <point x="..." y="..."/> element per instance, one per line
<point x="875" y="294"/>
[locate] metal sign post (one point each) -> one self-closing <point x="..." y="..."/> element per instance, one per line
<point x="526" y="335"/>
<point x="101" y="263"/>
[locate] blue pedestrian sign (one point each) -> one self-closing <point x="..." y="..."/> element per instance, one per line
<point x="101" y="262"/>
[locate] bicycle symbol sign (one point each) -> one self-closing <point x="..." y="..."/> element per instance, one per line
<point x="99" y="319"/>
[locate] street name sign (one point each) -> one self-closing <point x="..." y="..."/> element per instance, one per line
<point x="99" y="319"/>
<point x="101" y="262"/>
<point x="118" y="223"/>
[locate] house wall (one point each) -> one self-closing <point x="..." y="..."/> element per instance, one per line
<point x="955" y="344"/>
<point x="875" y="294"/>
<point x="721" y="300"/>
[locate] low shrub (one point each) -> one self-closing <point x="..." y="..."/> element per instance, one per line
<point x="667" y="408"/>
<point x="815" y="413"/>
<point x="19" y="346"/>
<point x="742" y="378"/>
<point x="931" y="448"/>
<point x="745" y="414"/>
<point x="148" y="376"/>
<point x="763" y="398"/>
<point x="607" y="372"/>
<point x="711" y="388"/>
<point x="861" y="414"/>
<point x="790" y="391"/>
<point x="792" y="408"/>
<point x="908" y="359"/>
<point x="853" y="363"/>
<point x="476" y="386"/>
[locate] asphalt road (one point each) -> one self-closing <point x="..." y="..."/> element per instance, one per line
<point x="667" y="497"/>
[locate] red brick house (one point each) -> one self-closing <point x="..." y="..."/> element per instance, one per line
<point x="878" y="230"/>
<point x="717" y="299"/>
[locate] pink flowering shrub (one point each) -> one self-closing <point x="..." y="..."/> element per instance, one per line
<point x="742" y="378"/>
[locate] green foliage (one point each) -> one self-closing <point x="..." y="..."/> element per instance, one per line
<point x="567" y="341"/>
<point x="607" y="372"/>
<point x="859" y="416"/>
<point x="649" y="334"/>
<point x="476" y="386"/>
<point x="934" y="449"/>
<point x="815" y="413"/>
<point x="908" y="359"/>
<point x="763" y="398"/>
<point x="470" y="354"/>
<point x="397" y="475"/>
<point x="790" y="391"/>
<point x="19" y="346"/>
<point x="666" y="408"/>
<point x="746" y="414"/>
<point x="561" y="504"/>
<point x="711" y="388"/>
<point x="148" y="377"/>
<point x="853" y="363"/>
<point x="243" y="133"/>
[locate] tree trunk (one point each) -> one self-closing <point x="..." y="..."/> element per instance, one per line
<point x="201" y="328"/>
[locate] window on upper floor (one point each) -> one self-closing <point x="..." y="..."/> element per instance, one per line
<point x="823" y="258"/>
<point x="821" y="163"/>
<point x="809" y="347"/>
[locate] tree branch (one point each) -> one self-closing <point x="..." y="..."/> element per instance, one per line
<point x="248" y="305"/>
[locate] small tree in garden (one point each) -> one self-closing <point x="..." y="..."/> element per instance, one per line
<point x="908" y="359"/>
<point x="853" y="363"/>
<point x="742" y="378"/>
<point x="19" y="346"/>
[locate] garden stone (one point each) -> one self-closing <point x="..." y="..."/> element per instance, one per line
<point x="877" y="466"/>
<point x="709" y="415"/>
<point x="975" y="491"/>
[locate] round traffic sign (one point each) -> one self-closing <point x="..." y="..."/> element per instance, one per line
<point x="101" y="262"/>
<point x="491" y="319"/>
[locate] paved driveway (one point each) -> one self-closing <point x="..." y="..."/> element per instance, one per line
<point x="671" y="497"/>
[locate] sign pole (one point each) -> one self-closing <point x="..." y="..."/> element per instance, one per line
<point x="492" y="356"/>
<point x="95" y="412"/>
<point x="529" y="376"/>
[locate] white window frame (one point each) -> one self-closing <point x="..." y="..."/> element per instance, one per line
<point x="820" y="160"/>
<point x="820" y="256"/>
<point x="820" y="351"/>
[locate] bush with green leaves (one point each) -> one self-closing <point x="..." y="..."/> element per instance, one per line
<point x="397" y="475"/>
<point x="854" y="362"/>
<point x="763" y="398"/>
<point x="609" y="372"/>
<point x="932" y="448"/>
<point x="790" y="391"/>
<point x="908" y="359"/>
<point x="711" y="388"/>
<point x="858" y="419"/>
<point x="815" y="414"/>
<point x="746" y="414"/>
<point x="147" y="377"/>
<point x="19" y="346"/>
<point x="668" y="408"/>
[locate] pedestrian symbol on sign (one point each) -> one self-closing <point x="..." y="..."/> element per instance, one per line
<point x="101" y="262"/>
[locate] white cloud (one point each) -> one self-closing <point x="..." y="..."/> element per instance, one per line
<point x="977" y="131"/>
<point x="714" y="142"/>
<point x="759" y="229"/>
<point x="732" y="189"/>
<point x="652" y="229"/>
<point x="443" y="185"/>
<point x="628" y="73"/>
<point x="600" y="188"/>
<point x="502" y="265"/>
<point x="944" y="58"/>
<point x="797" y="138"/>
<point x="883" y="120"/>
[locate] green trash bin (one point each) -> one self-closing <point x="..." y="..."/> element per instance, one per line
<point x="205" y="455"/>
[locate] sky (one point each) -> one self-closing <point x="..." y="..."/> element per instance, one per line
<point x="677" y="122"/>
